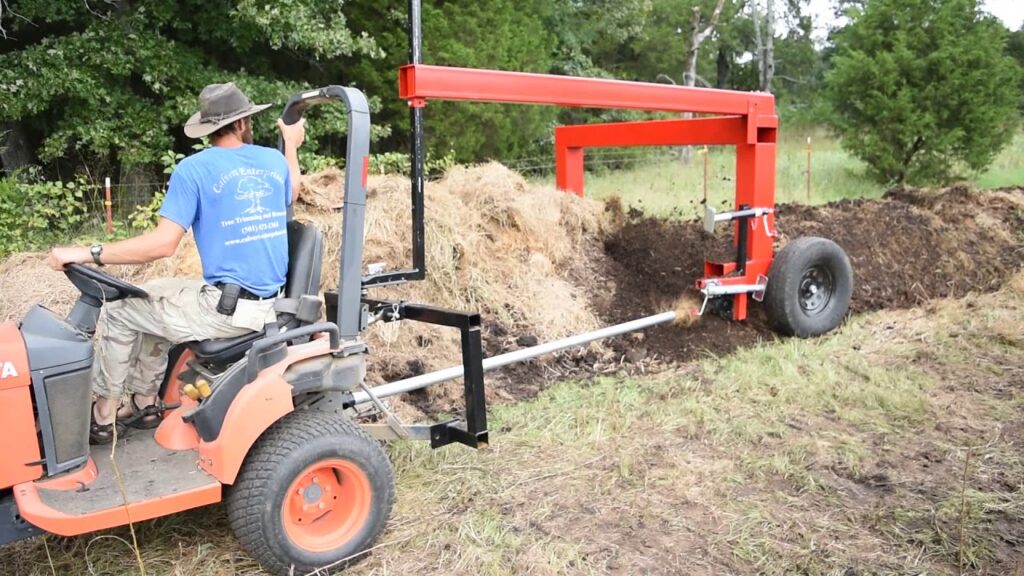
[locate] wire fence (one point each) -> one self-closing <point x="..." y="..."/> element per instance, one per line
<point x="125" y="202"/>
<point x="596" y="160"/>
<point x="126" y="198"/>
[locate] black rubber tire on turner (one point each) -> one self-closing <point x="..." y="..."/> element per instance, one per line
<point x="279" y="460"/>
<point x="810" y="285"/>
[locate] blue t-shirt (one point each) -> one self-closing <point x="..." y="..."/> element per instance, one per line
<point x="235" y="200"/>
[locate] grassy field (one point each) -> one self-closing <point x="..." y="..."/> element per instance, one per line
<point x="890" y="447"/>
<point x="670" y="188"/>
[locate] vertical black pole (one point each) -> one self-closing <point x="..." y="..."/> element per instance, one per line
<point x="419" y="264"/>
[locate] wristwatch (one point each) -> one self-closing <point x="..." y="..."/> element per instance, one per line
<point x="96" y="250"/>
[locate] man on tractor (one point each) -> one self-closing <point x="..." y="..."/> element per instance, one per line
<point x="235" y="197"/>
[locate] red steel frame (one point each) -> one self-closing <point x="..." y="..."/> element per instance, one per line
<point x="746" y="120"/>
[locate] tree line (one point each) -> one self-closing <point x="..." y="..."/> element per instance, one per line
<point x="919" y="89"/>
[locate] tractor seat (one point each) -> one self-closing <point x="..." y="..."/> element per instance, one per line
<point x="305" y="250"/>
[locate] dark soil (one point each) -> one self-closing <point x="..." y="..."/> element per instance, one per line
<point x="906" y="248"/>
<point x="914" y="246"/>
<point x="653" y="263"/>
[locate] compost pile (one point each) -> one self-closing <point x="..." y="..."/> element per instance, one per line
<point x="908" y="247"/>
<point x="539" y="264"/>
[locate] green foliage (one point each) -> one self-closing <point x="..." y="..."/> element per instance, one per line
<point x="593" y="35"/>
<point x="106" y="86"/>
<point x="498" y="34"/>
<point x="400" y="163"/>
<point x="1015" y="49"/>
<point x="317" y="27"/>
<point x="170" y="161"/>
<point x="145" y="216"/>
<point x="111" y="84"/>
<point x="660" y="46"/>
<point x="921" y="86"/>
<point x="311" y="162"/>
<point x="34" y="211"/>
<point x="1015" y="45"/>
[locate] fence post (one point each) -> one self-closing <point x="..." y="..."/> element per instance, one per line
<point x="808" y="169"/>
<point x="108" y="204"/>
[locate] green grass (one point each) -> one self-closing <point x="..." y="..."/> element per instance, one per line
<point x="671" y="188"/>
<point x="1007" y="169"/>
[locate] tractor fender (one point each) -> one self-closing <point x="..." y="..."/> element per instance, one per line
<point x="267" y="399"/>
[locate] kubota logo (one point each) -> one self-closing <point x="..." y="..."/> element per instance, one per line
<point x="7" y="370"/>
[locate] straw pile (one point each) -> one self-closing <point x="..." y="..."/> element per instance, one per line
<point x="495" y="245"/>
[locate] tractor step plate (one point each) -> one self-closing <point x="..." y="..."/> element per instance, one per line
<point x="148" y="470"/>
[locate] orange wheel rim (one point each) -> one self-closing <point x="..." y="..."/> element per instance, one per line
<point x="326" y="505"/>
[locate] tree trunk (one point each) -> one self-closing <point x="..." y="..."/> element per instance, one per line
<point x="765" y="45"/>
<point x="697" y="37"/>
<point x="758" y="43"/>
<point x="136" y="186"/>
<point x="769" y="48"/>
<point x="15" y="152"/>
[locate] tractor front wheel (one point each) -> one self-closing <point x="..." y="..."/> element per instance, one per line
<point x="810" y="285"/>
<point x="314" y="491"/>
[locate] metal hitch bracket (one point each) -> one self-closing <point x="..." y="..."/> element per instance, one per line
<point x="713" y="289"/>
<point x="472" y="431"/>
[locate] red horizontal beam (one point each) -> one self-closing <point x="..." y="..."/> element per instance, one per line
<point x="725" y="130"/>
<point x="424" y="82"/>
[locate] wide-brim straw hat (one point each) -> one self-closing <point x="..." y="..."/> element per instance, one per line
<point x="220" y="105"/>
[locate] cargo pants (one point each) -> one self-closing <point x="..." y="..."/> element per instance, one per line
<point x="134" y="335"/>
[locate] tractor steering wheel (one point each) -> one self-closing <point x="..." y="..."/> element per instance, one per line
<point x="98" y="287"/>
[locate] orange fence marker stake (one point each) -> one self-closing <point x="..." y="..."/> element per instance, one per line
<point x="109" y="205"/>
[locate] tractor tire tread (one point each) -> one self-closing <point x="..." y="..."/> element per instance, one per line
<point x="247" y="498"/>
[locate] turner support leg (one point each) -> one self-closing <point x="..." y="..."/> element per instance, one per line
<point x="568" y="168"/>
<point x="755" y="187"/>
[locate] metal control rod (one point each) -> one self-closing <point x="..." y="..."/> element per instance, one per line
<point x="424" y="380"/>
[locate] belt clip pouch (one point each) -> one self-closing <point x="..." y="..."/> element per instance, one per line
<point x="228" y="299"/>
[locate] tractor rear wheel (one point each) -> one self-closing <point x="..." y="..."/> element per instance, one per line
<point x="810" y="285"/>
<point x="313" y="491"/>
